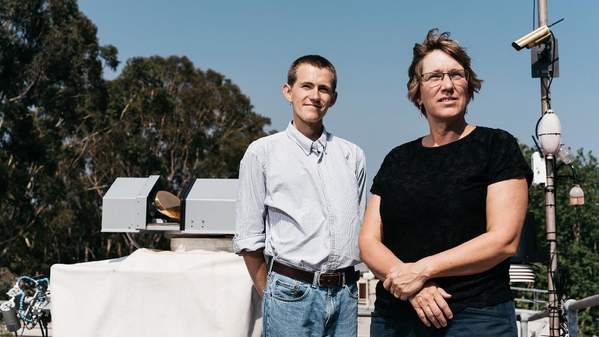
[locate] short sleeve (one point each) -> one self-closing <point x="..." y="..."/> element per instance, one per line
<point x="381" y="176"/>
<point x="507" y="161"/>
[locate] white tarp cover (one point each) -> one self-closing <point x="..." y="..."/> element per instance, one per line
<point x="155" y="293"/>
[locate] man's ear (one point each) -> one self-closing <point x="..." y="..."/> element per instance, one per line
<point x="333" y="99"/>
<point x="286" y="90"/>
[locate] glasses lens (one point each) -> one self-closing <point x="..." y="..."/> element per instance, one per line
<point x="432" y="77"/>
<point x="457" y="75"/>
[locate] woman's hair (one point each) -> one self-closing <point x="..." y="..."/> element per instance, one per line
<point x="439" y="41"/>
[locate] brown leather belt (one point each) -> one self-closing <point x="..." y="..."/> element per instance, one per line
<point x="332" y="279"/>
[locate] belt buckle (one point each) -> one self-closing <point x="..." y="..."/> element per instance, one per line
<point x="316" y="279"/>
<point x="335" y="275"/>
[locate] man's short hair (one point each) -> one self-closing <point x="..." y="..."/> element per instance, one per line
<point x="439" y="41"/>
<point x="313" y="60"/>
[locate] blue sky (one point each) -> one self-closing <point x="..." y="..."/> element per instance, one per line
<point x="370" y="43"/>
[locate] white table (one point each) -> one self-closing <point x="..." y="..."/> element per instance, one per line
<point x="150" y="293"/>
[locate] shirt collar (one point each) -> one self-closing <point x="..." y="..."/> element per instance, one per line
<point x="305" y="143"/>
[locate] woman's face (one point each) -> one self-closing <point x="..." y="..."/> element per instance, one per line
<point x="443" y="87"/>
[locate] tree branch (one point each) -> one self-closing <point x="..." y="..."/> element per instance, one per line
<point x="24" y="93"/>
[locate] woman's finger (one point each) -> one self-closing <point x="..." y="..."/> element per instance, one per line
<point x="443" y="292"/>
<point x="443" y="306"/>
<point x="387" y="284"/>
<point x="431" y="316"/>
<point x="422" y="316"/>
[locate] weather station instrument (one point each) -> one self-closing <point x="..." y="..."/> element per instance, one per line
<point x="206" y="208"/>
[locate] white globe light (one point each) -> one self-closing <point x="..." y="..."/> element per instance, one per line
<point x="576" y="196"/>
<point x="549" y="133"/>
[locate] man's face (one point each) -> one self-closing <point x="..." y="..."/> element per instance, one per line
<point x="311" y="95"/>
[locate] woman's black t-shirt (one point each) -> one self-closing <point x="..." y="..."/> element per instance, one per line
<point x="434" y="198"/>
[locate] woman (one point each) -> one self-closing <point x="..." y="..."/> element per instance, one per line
<point x="446" y="211"/>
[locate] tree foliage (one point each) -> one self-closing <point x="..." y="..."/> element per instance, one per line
<point x="50" y="88"/>
<point x="577" y="234"/>
<point x="167" y="117"/>
<point x="66" y="133"/>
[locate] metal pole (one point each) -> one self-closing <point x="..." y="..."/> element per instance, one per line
<point x="524" y="327"/>
<point x="572" y="323"/>
<point x="549" y="201"/>
<point x="542" y="5"/>
<point x="553" y="307"/>
<point x="572" y="315"/>
<point x="545" y="99"/>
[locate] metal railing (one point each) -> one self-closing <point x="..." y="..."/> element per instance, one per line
<point x="525" y="317"/>
<point x="572" y="308"/>
<point x="536" y="303"/>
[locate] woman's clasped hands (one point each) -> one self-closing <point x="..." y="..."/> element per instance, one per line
<point x="409" y="281"/>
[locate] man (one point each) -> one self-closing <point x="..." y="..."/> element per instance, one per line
<point x="301" y="202"/>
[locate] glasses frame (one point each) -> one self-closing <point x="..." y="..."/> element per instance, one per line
<point x="448" y="73"/>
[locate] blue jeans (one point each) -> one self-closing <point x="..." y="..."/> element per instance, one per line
<point x="294" y="308"/>
<point x="492" y="321"/>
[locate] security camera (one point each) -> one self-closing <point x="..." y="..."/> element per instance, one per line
<point x="533" y="38"/>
